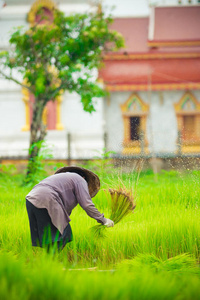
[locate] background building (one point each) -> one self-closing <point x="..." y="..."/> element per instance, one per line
<point x="64" y="117"/>
<point x="154" y="85"/>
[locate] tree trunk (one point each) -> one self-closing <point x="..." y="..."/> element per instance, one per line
<point x="37" y="135"/>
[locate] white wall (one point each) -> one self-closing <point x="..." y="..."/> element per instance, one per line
<point x="12" y="113"/>
<point x="114" y="121"/>
<point x="162" y="127"/>
<point x="138" y="8"/>
<point x="86" y="129"/>
<point x="127" y="8"/>
<point x="13" y="141"/>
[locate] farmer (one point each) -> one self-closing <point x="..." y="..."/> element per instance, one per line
<point x="50" y="203"/>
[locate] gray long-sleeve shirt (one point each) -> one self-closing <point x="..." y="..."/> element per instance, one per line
<point x="59" y="194"/>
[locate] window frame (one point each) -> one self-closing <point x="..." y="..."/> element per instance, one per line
<point x="130" y="146"/>
<point x="193" y="144"/>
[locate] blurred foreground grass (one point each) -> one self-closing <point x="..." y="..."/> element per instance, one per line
<point x="152" y="254"/>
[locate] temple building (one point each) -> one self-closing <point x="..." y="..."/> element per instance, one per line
<point x="154" y="83"/>
<point x="153" y="106"/>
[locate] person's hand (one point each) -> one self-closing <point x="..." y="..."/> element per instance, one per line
<point x="109" y="223"/>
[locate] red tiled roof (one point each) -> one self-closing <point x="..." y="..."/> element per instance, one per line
<point x="176" y="66"/>
<point x="157" y="70"/>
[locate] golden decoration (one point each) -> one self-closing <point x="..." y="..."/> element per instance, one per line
<point x="144" y="106"/>
<point x="25" y="93"/>
<point x="178" y="106"/>
<point x="36" y="6"/>
<point x="59" y="125"/>
<point x="173" y="44"/>
<point x="110" y="57"/>
<point x="154" y="87"/>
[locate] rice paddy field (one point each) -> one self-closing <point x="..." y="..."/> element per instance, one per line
<point x="154" y="253"/>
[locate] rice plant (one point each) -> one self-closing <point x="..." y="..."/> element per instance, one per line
<point x="121" y="205"/>
<point x="151" y="254"/>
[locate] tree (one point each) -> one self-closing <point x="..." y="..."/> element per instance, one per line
<point x="56" y="57"/>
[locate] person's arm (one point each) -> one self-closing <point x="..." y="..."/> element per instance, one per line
<point x="85" y="201"/>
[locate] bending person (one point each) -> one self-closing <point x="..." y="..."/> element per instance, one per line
<point x="50" y="203"/>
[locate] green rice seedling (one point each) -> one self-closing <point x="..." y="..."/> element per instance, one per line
<point x="122" y="204"/>
<point x="143" y="278"/>
<point x="152" y="254"/>
<point x="181" y="264"/>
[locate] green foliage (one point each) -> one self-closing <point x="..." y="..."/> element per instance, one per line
<point x="61" y="55"/>
<point x="7" y="169"/>
<point x="37" y="163"/>
<point x="183" y="263"/>
<point x="101" y="164"/>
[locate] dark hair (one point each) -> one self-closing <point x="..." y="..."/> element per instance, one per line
<point x="79" y="172"/>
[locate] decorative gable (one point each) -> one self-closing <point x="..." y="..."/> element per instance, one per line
<point x="187" y="104"/>
<point x="134" y="106"/>
<point x="41" y="12"/>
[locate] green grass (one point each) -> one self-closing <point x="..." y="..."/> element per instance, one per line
<point x="152" y="254"/>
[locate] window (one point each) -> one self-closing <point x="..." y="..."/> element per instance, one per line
<point x="135" y="128"/>
<point x="134" y="114"/>
<point x="188" y="119"/>
<point x="188" y="130"/>
<point x="51" y="114"/>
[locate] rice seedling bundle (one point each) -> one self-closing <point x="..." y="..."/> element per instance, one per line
<point x="121" y="205"/>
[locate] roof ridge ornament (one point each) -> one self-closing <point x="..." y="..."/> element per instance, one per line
<point x="37" y="5"/>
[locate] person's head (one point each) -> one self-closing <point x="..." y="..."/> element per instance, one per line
<point x="82" y="174"/>
<point x="91" y="178"/>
